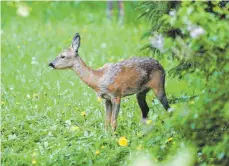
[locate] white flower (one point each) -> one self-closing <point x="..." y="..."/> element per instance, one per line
<point x="34" y="62"/>
<point x="23" y="11"/>
<point x="172" y="13"/>
<point x="196" y="31"/>
<point x="103" y="45"/>
<point x="157" y="41"/>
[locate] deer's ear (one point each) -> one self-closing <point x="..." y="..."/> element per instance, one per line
<point x="76" y="42"/>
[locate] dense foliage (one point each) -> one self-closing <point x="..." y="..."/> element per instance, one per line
<point x="200" y="49"/>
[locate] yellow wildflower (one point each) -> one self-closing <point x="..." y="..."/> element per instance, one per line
<point x="83" y="113"/>
<point x="123" y="141"/>
<point x="99" y="99"/>
<point x="34" y="161"/>
<point x="170" y="139"/>
<point x="102" y="147"/>
<point x="18" y="46"/>
<point x="97" y="152"/>
<point x="74" y="128"/>
<point x="149" y="122"/>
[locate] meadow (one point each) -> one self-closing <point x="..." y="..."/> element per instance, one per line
<point x="51" y="117"/>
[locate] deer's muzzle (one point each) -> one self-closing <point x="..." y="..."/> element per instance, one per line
<point x="52" y="65"/>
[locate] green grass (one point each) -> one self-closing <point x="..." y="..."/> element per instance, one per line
<point x="40" y="106"/>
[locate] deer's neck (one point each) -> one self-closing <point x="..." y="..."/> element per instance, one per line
<point x="87" y="75"/>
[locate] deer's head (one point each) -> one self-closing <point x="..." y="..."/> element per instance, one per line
<point x="66" y="58"/>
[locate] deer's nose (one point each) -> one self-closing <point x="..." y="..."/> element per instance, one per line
<point x="51" y="65"/>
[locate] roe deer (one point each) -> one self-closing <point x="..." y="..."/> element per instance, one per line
<point x="116" y="80"/>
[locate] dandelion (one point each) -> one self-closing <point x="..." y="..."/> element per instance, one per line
<point x="102" y="147"/>
<point x="148" y="122"/>
<point x="99" y="99"/>
<point x="97" y="152"/>
<point x="123" y="141"/>
<point x="34" y="161"/>
<point x="170" y="139"/>
<point x="74" y="128"/>
<point x="83" y="113"/>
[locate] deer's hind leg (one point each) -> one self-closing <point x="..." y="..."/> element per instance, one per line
<point x="161" y="95"/>
<point x="157" y="83"/>
<point x="141" y="97"/>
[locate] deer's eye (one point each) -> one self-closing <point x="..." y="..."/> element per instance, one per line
<point x="62" y="57"/>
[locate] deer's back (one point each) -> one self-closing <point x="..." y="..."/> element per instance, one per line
<point x="129" y="76"/>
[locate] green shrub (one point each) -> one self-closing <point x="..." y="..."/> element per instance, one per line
<point x="200" y="51"/>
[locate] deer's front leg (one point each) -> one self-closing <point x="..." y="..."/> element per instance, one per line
<point x="115" y="110"/>
<point x="108" y="107"/>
